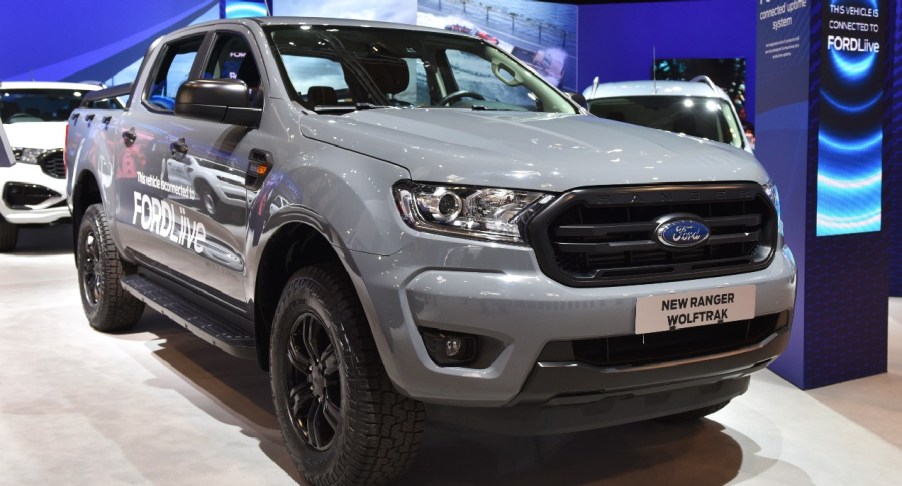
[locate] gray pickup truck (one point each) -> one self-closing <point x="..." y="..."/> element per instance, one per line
<point x="400" y="222"/>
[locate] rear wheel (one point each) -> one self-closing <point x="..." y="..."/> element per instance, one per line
<point x="342" y="421"/>
<point x="107" y="305"/>
<point x="693" y="415"/>
<point x="9" y="233"/>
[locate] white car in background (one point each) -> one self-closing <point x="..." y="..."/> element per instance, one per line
<point x="697" y="108"/>
<point x="33" y="190"/>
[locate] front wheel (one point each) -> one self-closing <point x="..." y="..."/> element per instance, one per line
<point x="107" y="305"/>
<point x="342" y="421"/>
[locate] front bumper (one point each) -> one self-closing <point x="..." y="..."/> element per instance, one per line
<point x="29" y="196"/>
<point x="499" y="292"/>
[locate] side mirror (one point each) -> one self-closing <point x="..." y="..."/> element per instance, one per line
<point x="217" y="100"/>
<point x="578" y="98"/>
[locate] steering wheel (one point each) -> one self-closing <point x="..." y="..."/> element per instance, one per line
<point x="457" y="95"/>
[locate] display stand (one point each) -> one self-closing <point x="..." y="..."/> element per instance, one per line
<point x="894" y="178"/>
<point x="822" y="111"/>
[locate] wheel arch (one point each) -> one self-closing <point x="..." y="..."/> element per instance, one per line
<point x="293" y="246"/>
<point x="85" y="192"/>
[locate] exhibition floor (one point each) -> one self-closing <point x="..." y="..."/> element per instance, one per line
<point x="160" y="406"/>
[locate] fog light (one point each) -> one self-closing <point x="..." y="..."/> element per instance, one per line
<point x="453" y="346"/>
<point x="450" y="349"/>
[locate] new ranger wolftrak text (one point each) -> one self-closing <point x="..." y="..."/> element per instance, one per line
<point x="398" y="221"/>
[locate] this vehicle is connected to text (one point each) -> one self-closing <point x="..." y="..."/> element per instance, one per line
<point x="410" y="221"/>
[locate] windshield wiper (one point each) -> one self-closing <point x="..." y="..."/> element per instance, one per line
<point x="486" y="108"/>
<point x="369" y="106"/>
<point x="346" y="108"/>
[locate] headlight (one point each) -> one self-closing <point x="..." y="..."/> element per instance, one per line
<point x="470" y="212"/>
<point x="770" y="188"/>
<point x="30" y="155"/>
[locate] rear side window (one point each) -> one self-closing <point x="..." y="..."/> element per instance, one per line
<point x="172" y="71"/>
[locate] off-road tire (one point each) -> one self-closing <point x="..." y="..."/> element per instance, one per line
<point x="693" y="415"/>
<point x="376" y="431"/>
<point x="107" y="305"/>
<point x="9" y="233"/>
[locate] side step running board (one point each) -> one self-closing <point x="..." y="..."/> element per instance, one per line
<point x="224" y="335"/>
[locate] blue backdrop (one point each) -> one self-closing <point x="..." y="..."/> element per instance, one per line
<point x="81" y="40"/>
<point x="616" y="41"/>
<point x="893" y="177"/>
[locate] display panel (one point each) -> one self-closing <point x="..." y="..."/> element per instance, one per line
<point x="401" y="11"/>
<point x="540" y="34"/>
<point x="234" y="9"/>
<point x="850" y="139"/>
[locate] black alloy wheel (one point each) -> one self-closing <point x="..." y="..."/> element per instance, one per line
<point x="343" y="422"/>
<point x="107" y="305"/>
<point x="91" y="269"/>
<point x="314" y="382"/>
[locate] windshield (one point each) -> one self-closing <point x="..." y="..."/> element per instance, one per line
<point x="337" y="69"/>
<point x="37" y="105"/>
<point x="709" y="118"/>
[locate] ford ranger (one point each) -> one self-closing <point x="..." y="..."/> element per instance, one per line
<point x="399" y="221"/>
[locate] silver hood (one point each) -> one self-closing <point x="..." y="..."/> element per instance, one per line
<point x="537" y="151"/>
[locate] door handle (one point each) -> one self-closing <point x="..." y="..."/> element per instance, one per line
<point x="178" y="148"/>
<point x="106" y="120"/>
<point x="129" y="137"/>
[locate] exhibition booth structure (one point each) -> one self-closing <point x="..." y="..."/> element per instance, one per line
<point x="815" y="82"/>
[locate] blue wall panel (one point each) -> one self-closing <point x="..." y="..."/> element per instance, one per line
<point x="616" y="41"/>
<point x="79" y="40"/>
<point x="893" y="177"/>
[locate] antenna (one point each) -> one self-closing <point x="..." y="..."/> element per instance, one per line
<point x="594" y="87"/>
<point x="654" y="68"/>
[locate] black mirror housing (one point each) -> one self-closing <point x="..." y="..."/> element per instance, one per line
<point x="217" y="100"/>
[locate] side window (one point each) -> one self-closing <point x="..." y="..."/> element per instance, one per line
<point x="232" y="58"/>
<point x="172" y="70"/>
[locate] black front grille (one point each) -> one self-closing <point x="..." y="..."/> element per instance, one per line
<point x="637" y="350"/>
<point x="607" y="236"/>
<point x="52" y="164"/>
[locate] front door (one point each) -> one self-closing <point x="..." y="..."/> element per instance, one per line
<point x="194" y="200"/>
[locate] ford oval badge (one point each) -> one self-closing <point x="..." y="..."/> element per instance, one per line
<point x="682" y="233"/>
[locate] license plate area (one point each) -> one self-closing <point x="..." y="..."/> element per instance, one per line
<point x="672" y="312"/>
